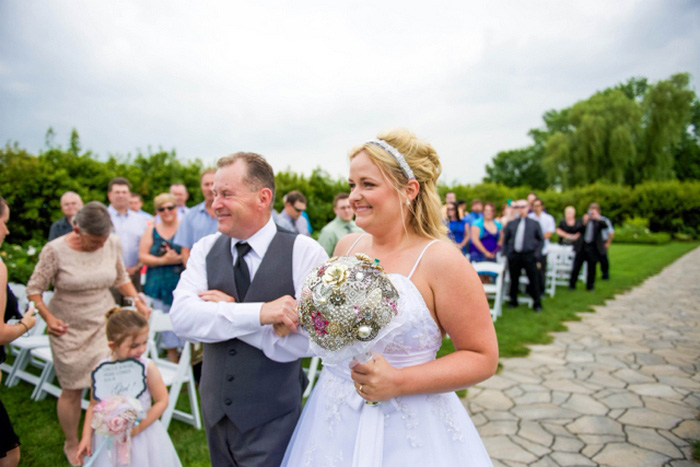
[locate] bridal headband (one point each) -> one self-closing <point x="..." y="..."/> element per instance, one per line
<point x="396" y="155"/>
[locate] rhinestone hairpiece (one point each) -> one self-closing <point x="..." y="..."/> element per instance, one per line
<point x="396" y="155"/>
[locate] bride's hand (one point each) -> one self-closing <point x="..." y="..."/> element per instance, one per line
<point x="376" y="380"/>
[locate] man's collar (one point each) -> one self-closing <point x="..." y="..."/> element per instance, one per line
<point x="260" y="240"/>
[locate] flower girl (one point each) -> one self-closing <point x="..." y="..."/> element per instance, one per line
<point x="112" y="433"/>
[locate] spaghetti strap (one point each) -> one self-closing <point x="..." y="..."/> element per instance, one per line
<point x="420" y="258"/>
<point x="353" y="244"/>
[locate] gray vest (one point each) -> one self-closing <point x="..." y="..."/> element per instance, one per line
<point x="238" y="380"/>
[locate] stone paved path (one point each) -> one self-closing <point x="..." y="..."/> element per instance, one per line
<point x="619" y="388"/>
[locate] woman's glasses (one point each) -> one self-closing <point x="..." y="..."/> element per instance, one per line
<point x="163" y="208"/>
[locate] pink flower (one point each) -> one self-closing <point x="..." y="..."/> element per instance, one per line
<point x="117" y="425"/>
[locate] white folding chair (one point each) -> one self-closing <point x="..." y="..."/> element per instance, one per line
<point x="495" y="290"/>
<point x="174" y="374"/>
<point x="46" y="379"/>
<point x="312" y="374"/>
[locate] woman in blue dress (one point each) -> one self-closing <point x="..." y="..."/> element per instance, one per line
<point x="486" y="233"/>
<point x="164" y="263"/>
<point x="458" y="230"/>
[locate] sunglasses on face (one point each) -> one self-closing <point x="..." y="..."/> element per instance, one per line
<point x="163" y="208"/>
<point x="298" y="210"/>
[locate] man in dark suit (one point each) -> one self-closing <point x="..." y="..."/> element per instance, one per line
<point x="590" y="246"/>
<point x="523" y="242"/>
<point x="238" y="281"/>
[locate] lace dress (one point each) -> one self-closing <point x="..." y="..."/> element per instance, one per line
<point x="337" y="428"/>
<point x="152" y="448"/>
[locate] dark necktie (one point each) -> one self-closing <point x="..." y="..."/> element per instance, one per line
<point x="241" y="274"/>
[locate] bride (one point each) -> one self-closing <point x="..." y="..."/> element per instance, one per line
<point x="421" y="420"/>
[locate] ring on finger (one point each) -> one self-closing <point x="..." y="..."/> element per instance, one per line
<point x="359" y="389"/>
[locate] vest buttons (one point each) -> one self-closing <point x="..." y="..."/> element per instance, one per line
<point x="232" y="352"/>
<point x="228" y="402"/>
<point x="230" y="378"/>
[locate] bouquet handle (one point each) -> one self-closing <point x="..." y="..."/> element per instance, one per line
<point x="362" y="359"/>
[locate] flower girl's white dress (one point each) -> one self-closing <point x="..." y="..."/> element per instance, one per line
<point x="151" y="448"/>
<point x="337" y="428"/>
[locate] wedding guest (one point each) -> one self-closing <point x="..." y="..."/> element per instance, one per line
<point x="589" y="248"/>
<point x="608" y="235"/>
<point x="476" y="213"/>
<point x="70" y="204"/>
<point x="548" y="227"/>
<point x="531" y="197"/>
<point x="9" y="441"/>
<point x="507" y="214"/>
<point x="82" y="266"/>
<point x="569" y="229"/>
<point x="179" y="191"/>
<point x="458" y="230"/>
<point x="200" y="220"/>
<point x="522" y="240"/>
<point x="290" y="218"/>
<point x="462" y="208"/>
<point x="340" y="226"/>
<point x="136" y="205"/>
<point x="128" y="226"/>
<point x="485" y="235"/>
<point x="450" y="198"/>
<point x="164" y="261"/>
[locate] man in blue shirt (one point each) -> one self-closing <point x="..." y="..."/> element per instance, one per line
<point x="129" y="226"/>
<point x="200" y="220"/>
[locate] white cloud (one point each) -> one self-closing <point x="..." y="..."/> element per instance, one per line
<point x="304" y="82"/>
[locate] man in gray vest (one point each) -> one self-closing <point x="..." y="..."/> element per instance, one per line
<point x="238" y="281"/>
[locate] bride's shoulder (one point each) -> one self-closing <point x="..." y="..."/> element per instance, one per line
<point x="444" y="256"/>
<point x="345" y="243"/>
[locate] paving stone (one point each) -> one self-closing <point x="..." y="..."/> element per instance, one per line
<point x="688" y="429"/>
<point x="579" y="356"/>
<point x="559" y="397"/>
<point x="585" y="405"/>
<point x="493" y="399"/>
<point x="503" y="427"/>
<point x="680" y="410"/>
<point x="545" y="461"/>
<point x="624" y="454"/>
<point x="515" y="391"/>
<point x="570" y="458"/>
<point x="678" y="442"/>
<point x="616" y="413"/>
<point x="479" y="420"/>
<point x="533" y="398"/>
<point x="503" y="449"/>
<point x="497" y="382"/>
<point x="649" y="418"/>
<point x="683" y="464"/>
<point x="649" y="439"/>
<point x="633" y="377"/>
<point x="591" y="450"/>
<point x="534" y="432"/>
<point x="567" y="385"/>
<point x="542" y="412"/>
<point x="495" y="415"/>
<point x="648" y="359"/>
<point x="624" y="400"/>
<point x="590" y="424"/>
<point x="601" y="439"/>
<point x="555" y="429"/>
<point x="679" y="381"/>
<point x="567" y="444"/>
<point x="654" y="389"/>
<point x="537" y="449"/>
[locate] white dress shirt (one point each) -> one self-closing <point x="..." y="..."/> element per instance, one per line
<point x="199" y="321"/>
<point x="547" y="224"/>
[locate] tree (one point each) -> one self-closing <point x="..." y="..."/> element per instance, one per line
<point x="518" y="167"/>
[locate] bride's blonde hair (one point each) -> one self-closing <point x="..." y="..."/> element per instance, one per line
<point x="424" y="210"/>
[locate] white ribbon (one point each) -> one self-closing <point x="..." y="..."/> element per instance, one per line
<point x="369" y="442"/>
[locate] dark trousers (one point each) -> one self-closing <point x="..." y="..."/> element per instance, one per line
<point x="118" y="297"/>
<point x="517" y="262"/>
<point x="590" y="255"/>
<point x="605" y="265"/>
<point x="542" y="273"/>
<point x="261" y="446"/>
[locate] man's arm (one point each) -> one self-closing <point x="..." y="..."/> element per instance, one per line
<point x="205" y="321"/>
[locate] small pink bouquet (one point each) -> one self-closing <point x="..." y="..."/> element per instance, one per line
<point x="113" y="418"/>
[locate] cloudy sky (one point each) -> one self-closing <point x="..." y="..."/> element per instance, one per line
<point x="304" y="82"/>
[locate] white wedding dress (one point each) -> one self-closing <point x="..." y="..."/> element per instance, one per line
<point x="337" y="428"/>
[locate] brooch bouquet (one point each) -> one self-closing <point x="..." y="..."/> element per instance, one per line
<point x="347" y="304"/>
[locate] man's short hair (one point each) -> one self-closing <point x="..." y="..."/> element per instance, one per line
<point x="339" y="197"/>
<point x="118" y="181"/>
<point x="594" y="206"/>
<point x="260" y="173"/>
<point x="293" y="197"/>
<point x="208" y="171"/>
<point x="476" y="201"/>
<point x="136" y="195"/>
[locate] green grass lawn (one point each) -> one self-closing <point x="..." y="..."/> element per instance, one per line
<point x="42" y="441"/>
